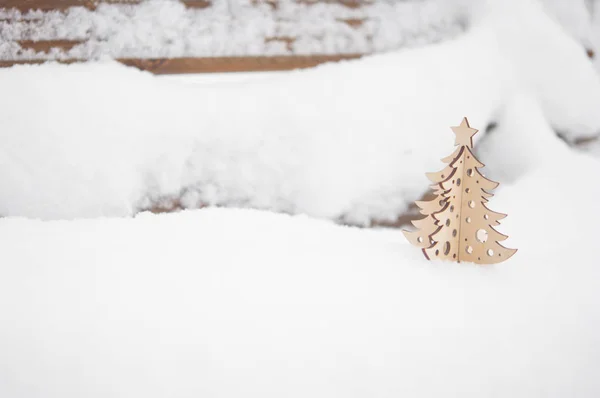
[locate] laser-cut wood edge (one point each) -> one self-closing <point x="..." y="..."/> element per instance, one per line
<point x="465" y="225"/>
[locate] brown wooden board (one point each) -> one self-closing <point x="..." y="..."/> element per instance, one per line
<point x="46" y="45"/>
<point x="42" y="46"/>
<point x="47" y="5"/>
<point x="346" y="3"/>
<point x="60" y="5"/>
<point x="216" y="64"/>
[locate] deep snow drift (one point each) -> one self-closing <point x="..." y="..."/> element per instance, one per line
<point x="230" y="303"/>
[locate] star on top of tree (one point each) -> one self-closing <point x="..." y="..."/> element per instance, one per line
<point x="464" y="133"/>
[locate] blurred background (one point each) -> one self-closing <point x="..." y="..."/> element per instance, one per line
<point x="331" y="108"/>
<point x="246" y="35"/>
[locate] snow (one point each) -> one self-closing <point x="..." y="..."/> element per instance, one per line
<point x="596" y="34"/>
<point x="166" y="28"/>
<point x="224" y="303"/>
<point x="581" y="20"/>
<point x="348" y="141"/>
<point x="98" y="299"/>
<point x="575" y="16"/>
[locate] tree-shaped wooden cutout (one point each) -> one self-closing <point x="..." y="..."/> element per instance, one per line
<point x="458" y="226"/>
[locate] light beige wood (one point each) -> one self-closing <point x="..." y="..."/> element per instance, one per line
<point x="458" y="225"/>
<point x="425" y="226"/>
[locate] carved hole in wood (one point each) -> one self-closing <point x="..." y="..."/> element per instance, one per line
<point x="446" y="248"/>
<point x="470" y="172"/>
<point x="458" y="182"/>
<point x="481" y="235"/>
<point x="490" y="252"/>
<point x="472" y="204"/>
<point x="469" y="249"/>
<point x="468" y="220"/>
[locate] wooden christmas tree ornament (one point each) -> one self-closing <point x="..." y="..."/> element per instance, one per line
<point x="457" y="225"/>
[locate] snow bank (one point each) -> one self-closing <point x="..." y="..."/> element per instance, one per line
<point x="549" y="63"/>
<point x="349" y="141"/>
<point x="228" y="303"/>
<point x="575" y="16"/>
<point x="596" y="34"/>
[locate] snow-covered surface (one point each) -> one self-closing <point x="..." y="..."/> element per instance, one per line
<point x="596" y="34"/>
<point x="575" y="16"/>
<point x="230" y="303"/>
<point x="222" y="302"/>
<point x="166" y="28"/>
<point x="347" y="141"/>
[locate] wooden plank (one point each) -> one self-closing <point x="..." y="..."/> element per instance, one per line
<point x="61" y="5"/>
<point x="345" y="3"/>
<point x="197" y="3"/>
<point x="215" y="65"/>
<point x="8" y="64"/>
<point x="233" y="64"/>
<point x="46" y="45"/>
<point x="58" y="5"/>
<point x="44" y="5"/>
<point x="354" y="23"/>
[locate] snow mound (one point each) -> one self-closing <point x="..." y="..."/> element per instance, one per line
<point x="349" y="141"/>
<point x="224" y="303"/>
